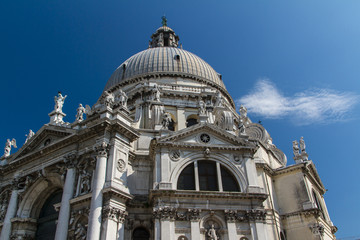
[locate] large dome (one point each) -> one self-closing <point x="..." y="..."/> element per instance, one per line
<point x="167" y="60"/>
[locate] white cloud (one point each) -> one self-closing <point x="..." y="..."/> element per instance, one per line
<point x="311" y="106"/>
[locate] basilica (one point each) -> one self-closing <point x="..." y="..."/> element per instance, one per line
<point x="162" y="154"/>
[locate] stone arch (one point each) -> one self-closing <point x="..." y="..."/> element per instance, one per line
<point x="239" y="175"/>
<point x="191" y="119"/>
<point x="35" y="197"/>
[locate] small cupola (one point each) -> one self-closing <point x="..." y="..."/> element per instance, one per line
<point x="164" y="36"/>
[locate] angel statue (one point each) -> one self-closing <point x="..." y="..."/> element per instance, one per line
<point x="80" y="113"/>
<point x="30" y="135"/>
<point x="156" y="93"/>
<point x="8" y="146"/>
<point x="59" y="102"/>
<point x="296" y="148"/>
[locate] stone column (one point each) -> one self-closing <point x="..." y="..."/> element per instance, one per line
<point x="68" y="192"/>
<point x="11" y="212"/>
<point x="94" y="227"/>
<point x="218" y="170"/>
<point x="194" y="216"/>
<point x="257" y="220"/>
<point x="157" y="229"/>
<point x="113" y="219"/>
<point x="230" y="216"/>
<point x="165" y="216"/>
<point x="121" y="224"/>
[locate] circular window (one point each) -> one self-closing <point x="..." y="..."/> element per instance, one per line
<point x="205" y="138"/>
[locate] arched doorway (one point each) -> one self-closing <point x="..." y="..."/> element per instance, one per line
<point x="46" y="227"/>
<point x="141" y="233"/>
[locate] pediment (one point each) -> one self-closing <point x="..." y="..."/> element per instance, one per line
<point x="312" y="172"/>
<point x="206" y="135"/>
<point x="45" y="137"/>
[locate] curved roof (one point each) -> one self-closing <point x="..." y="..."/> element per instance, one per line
<point x="164" y="60"/>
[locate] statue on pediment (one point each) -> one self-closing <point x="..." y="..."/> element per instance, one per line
<point x="59" y="102"/>
<point x="29" y="135"/>
<point x="80" y="113"/>
<point x="8" y="146"/>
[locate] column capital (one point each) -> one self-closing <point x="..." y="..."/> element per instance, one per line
<point x="102" y="149"/>
<point x="70" y="160"/>
<point x="230" y="215"/>
<point x="194" y="214"/>
<point x="113" y="213"/>
<point x="256" y="215"/>
<point x="165" y="213"/>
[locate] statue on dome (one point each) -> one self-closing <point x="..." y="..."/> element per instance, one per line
<point x="164" y="21"/>
<point x="156" y="93"/>
<point x="80" y="113"/>
<point x="296" y="148"/>
<point x="202" y="108"/>
<point x="243" y="111"/>
<point x="241" y="127"/>
<point x="108" y="98"/>
<point x="8" y="146"/>
<point x="30" y="135"/>
<point x="219" y="100"/>
<point x="59" y="102"/>
<point x="123" y="98"/>
<point x="166" y="119"/>
<point x="302" y="145"/>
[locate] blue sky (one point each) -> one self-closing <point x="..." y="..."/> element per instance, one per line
<point x="300" y="59"/>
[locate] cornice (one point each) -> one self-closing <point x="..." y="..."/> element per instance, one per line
<point x="207" y="194"/>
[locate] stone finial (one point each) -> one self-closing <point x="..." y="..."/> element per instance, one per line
<point x="80" y="113"/>
<point x="300" y="154"/>
<point x="8" y="145"/>
<point x="29" y="135"/>
<point x="164" y="21"/>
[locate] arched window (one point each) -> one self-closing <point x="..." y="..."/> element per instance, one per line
<point x="141" y="233"/>
<point x="211" y="175"/>
<point x="46" y="227"/>
<point x="191" y="121"/>
<point x="318" y="204"/>
<point x="171" y="126"/>
<point x="187" y="178"/>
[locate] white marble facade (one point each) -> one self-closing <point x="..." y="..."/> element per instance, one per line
<point x="163" y="154"/>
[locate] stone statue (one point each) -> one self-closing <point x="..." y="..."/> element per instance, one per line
<point x="108" y="98"/>
<point x="241" y="127"/>
<point x="8" y="146"/>
<point x="30" y="135"/>
<point x="59" y="102"/>
<point x="202" y="108"/>
<point x="219" y="100"/>
<point x="296" y="148"/>
<point x="243" y="111"/>
<point x="123" y="98"/>
<point x="80" y="232"/>
<point x="80" y="112"/>
<point x="166" y="119"/>
<point x="302" y="145"/>
<point x="85" y="182"/>
<point x="212" y="233"/>
<point x="156" y="93"/>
